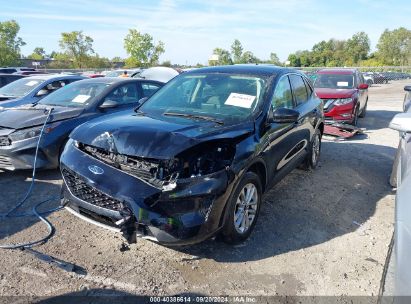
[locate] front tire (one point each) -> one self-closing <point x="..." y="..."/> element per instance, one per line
<point x="243" y="209"/>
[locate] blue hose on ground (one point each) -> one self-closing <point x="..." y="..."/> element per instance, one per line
<point x="34" y="212"/>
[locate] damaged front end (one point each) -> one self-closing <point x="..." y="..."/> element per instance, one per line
<point x="173" y="201"/>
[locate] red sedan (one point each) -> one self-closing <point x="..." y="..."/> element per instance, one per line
<point x="344" y="94"/>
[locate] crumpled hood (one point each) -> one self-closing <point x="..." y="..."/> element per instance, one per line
<point x="138" y="135"/>
<point x="30" y="116"/>
<point x="324" y="93"/>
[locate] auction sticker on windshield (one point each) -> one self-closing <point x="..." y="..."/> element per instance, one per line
<point x="342" y="83"/>
<point x="81" y="98"/>
<point x="240" y="100"/>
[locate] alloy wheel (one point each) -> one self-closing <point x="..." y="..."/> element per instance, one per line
<point x="316" y="147"/>
<point x="246" y="208"/>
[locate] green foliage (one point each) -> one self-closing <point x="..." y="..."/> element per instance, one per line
<point x="166" y="63"/>
<point x="274" y="59"/>
<point x="77" y="46"/>
<point x="357" y="47"/>
<point x="236" y="51"/>
<point x="223" y="57"/>
<point x="142" y="49"/>
<point x="249" y="57"/>
<point x="60" y="61"/>
<point x="394" y="47"/>
<point x="334" y="52"/>
<point x="117" y="59"/>
<point x="96" y="61"/>
<point x="9" y="43"/>
<point x="38" y="54"/>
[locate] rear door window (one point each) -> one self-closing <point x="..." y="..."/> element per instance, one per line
<point x="299" y="89"/>
<point x="125" y="94"/>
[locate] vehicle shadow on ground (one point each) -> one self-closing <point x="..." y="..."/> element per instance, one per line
<point x="377" y="119"/>
<point x="109" y="296"/>
<point x="310" y="208"/>
<point x="13" y="187"/>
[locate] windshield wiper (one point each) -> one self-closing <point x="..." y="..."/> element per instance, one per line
<point x="194" y="116"/>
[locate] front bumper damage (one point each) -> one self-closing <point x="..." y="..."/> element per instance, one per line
<point x="339" y="113"/>
<point x="189" y="213"/>
<point x="20" y="155"/>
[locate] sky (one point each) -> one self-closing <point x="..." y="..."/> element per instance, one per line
<point x="192" y="29"/>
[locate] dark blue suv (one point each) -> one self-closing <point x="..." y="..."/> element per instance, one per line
<point x="195" y="159"/>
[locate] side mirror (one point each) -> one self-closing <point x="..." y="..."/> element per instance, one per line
<point x="407" y="88"/>
<point x="42" y="92"/>
<point x="363" y="86"/>
<point x="108" y="103"/>
<point x="283" y="115"/>
<point x="401" y="122"/>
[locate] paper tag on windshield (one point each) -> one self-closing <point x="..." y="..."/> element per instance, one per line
<point x="342" y="84"/>
<point x="31" y="83"/>
<point x="81" y="98"/>
<point x="240" y="100"/>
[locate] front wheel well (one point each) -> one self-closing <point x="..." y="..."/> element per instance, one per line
<point x="259" y="169"/>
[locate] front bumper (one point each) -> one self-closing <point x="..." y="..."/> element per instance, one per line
<point x="188" y="214"/>
<point x="343" y="113"/>
<point x="20" y="155"/>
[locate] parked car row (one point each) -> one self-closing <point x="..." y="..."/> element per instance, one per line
<point x="384" y="77"/>
<point x="191" y="160"/>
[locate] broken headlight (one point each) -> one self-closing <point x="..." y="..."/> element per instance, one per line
<point x="25" y="133"/>
<point x="206" y="159"/>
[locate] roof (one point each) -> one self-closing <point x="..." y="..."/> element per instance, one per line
<point x="254" y="69"/>
<point x="13" y="75"/>
<point x="337" y="71"/>
<point x="111" y="80"/>
<point x="54" y="76"/>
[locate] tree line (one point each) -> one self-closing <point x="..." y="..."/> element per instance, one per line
<point x="76" y="51"/>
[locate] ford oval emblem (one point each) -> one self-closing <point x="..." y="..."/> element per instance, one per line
<point x="95" y="170"/>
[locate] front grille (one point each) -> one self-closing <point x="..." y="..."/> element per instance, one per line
<point x="156" y="172"/>
<point x="85" y="192"/>
<point x="5" y="162"/>
<point x="5" y="141"/>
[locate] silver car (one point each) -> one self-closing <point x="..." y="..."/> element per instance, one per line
<point x="31" y="89"/>
<point x="402" y="166"/>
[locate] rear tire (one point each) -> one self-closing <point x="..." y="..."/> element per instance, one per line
<point x="243" y="209"/>
<point x="313" y="156"/>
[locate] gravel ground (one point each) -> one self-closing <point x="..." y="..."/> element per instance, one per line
<point x="319" y="233"/>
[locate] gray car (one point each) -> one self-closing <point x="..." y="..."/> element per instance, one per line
<point x="31" y="89"/>
<point x="402" y="170"/>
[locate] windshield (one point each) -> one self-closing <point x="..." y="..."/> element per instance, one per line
<point x="226" y="97"/>
<point x="21" y="87"/>
<point x="78" y="94"/>
<point x="334" y="81"/>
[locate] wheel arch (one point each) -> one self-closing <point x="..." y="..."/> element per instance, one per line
<point x="259" y="168"/>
